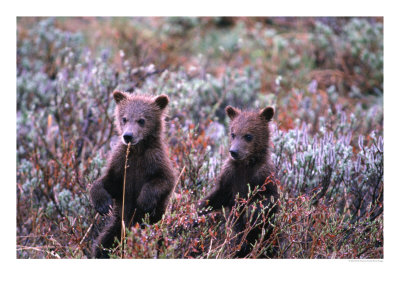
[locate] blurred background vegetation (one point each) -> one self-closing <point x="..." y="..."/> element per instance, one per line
<point x="324" y="76"/>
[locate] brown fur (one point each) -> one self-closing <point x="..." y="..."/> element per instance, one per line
<point x="249" y="163"/>
<point x="149" y="176"/>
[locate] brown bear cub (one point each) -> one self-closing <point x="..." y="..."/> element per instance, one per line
<point x="249" y="164"/>
<point x="150" y="177"/>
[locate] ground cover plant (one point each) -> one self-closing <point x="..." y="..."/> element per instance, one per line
<point x="324" y="77"/>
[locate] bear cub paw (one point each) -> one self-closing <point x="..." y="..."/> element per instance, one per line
<point x="104" y="207"/>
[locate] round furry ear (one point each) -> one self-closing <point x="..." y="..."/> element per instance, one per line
<point x="267" y="113"/>
<point x="119" y="96"/>
<point x="161" y="101"/>
<point x="232" y="112"/>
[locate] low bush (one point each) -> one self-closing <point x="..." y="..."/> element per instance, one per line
<point x="323" y="76"/>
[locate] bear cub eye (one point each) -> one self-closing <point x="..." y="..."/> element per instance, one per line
<point x="233" y="136"/>
<point x="124" y="120"/>
<point x="141" y="122"/>
<point x="248" y="137"/>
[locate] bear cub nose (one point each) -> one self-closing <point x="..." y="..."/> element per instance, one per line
<point x="128" y="137"/>
<point x="234" y="153"/>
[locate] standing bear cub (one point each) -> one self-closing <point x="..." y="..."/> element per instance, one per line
<point x="149" y="178"/>
<point x="249" y="164"/>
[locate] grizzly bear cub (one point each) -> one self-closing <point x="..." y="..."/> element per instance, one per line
<point x="150" y="177"/>
<point x="248" y="166"/>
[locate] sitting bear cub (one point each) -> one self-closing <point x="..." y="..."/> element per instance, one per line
<point x="249" y="164"/>
<point x="150" y="177"/>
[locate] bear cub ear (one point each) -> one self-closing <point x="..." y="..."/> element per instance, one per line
<point x="267" y="113"/>
<point x="161" y="101"/>
<point x="232" y="112"/>
<point x="119" y="96"/>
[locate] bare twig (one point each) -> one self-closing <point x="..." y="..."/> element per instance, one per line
<point x="86" y="233"/>
<point x="123" y="231"/>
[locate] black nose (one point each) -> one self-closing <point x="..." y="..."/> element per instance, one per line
<point x="234" y="153"/>
<point x="128" y="137"/>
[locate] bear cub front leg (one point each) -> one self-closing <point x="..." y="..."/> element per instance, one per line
<point x="100" y="198"/>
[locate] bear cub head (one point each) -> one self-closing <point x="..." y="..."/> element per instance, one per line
<point x="249" y="133"/>
<point x="138" y="117"/>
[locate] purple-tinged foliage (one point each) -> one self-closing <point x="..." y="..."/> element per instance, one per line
<point x="327" y="131"/>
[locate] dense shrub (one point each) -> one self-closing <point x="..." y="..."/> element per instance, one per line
<point x="324" y="77"/>
<point x="357" y="53"/>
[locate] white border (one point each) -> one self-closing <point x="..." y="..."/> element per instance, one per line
<point x="185" y="279"/>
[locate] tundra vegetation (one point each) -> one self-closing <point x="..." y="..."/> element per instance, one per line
<point x="323" y="76"/>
